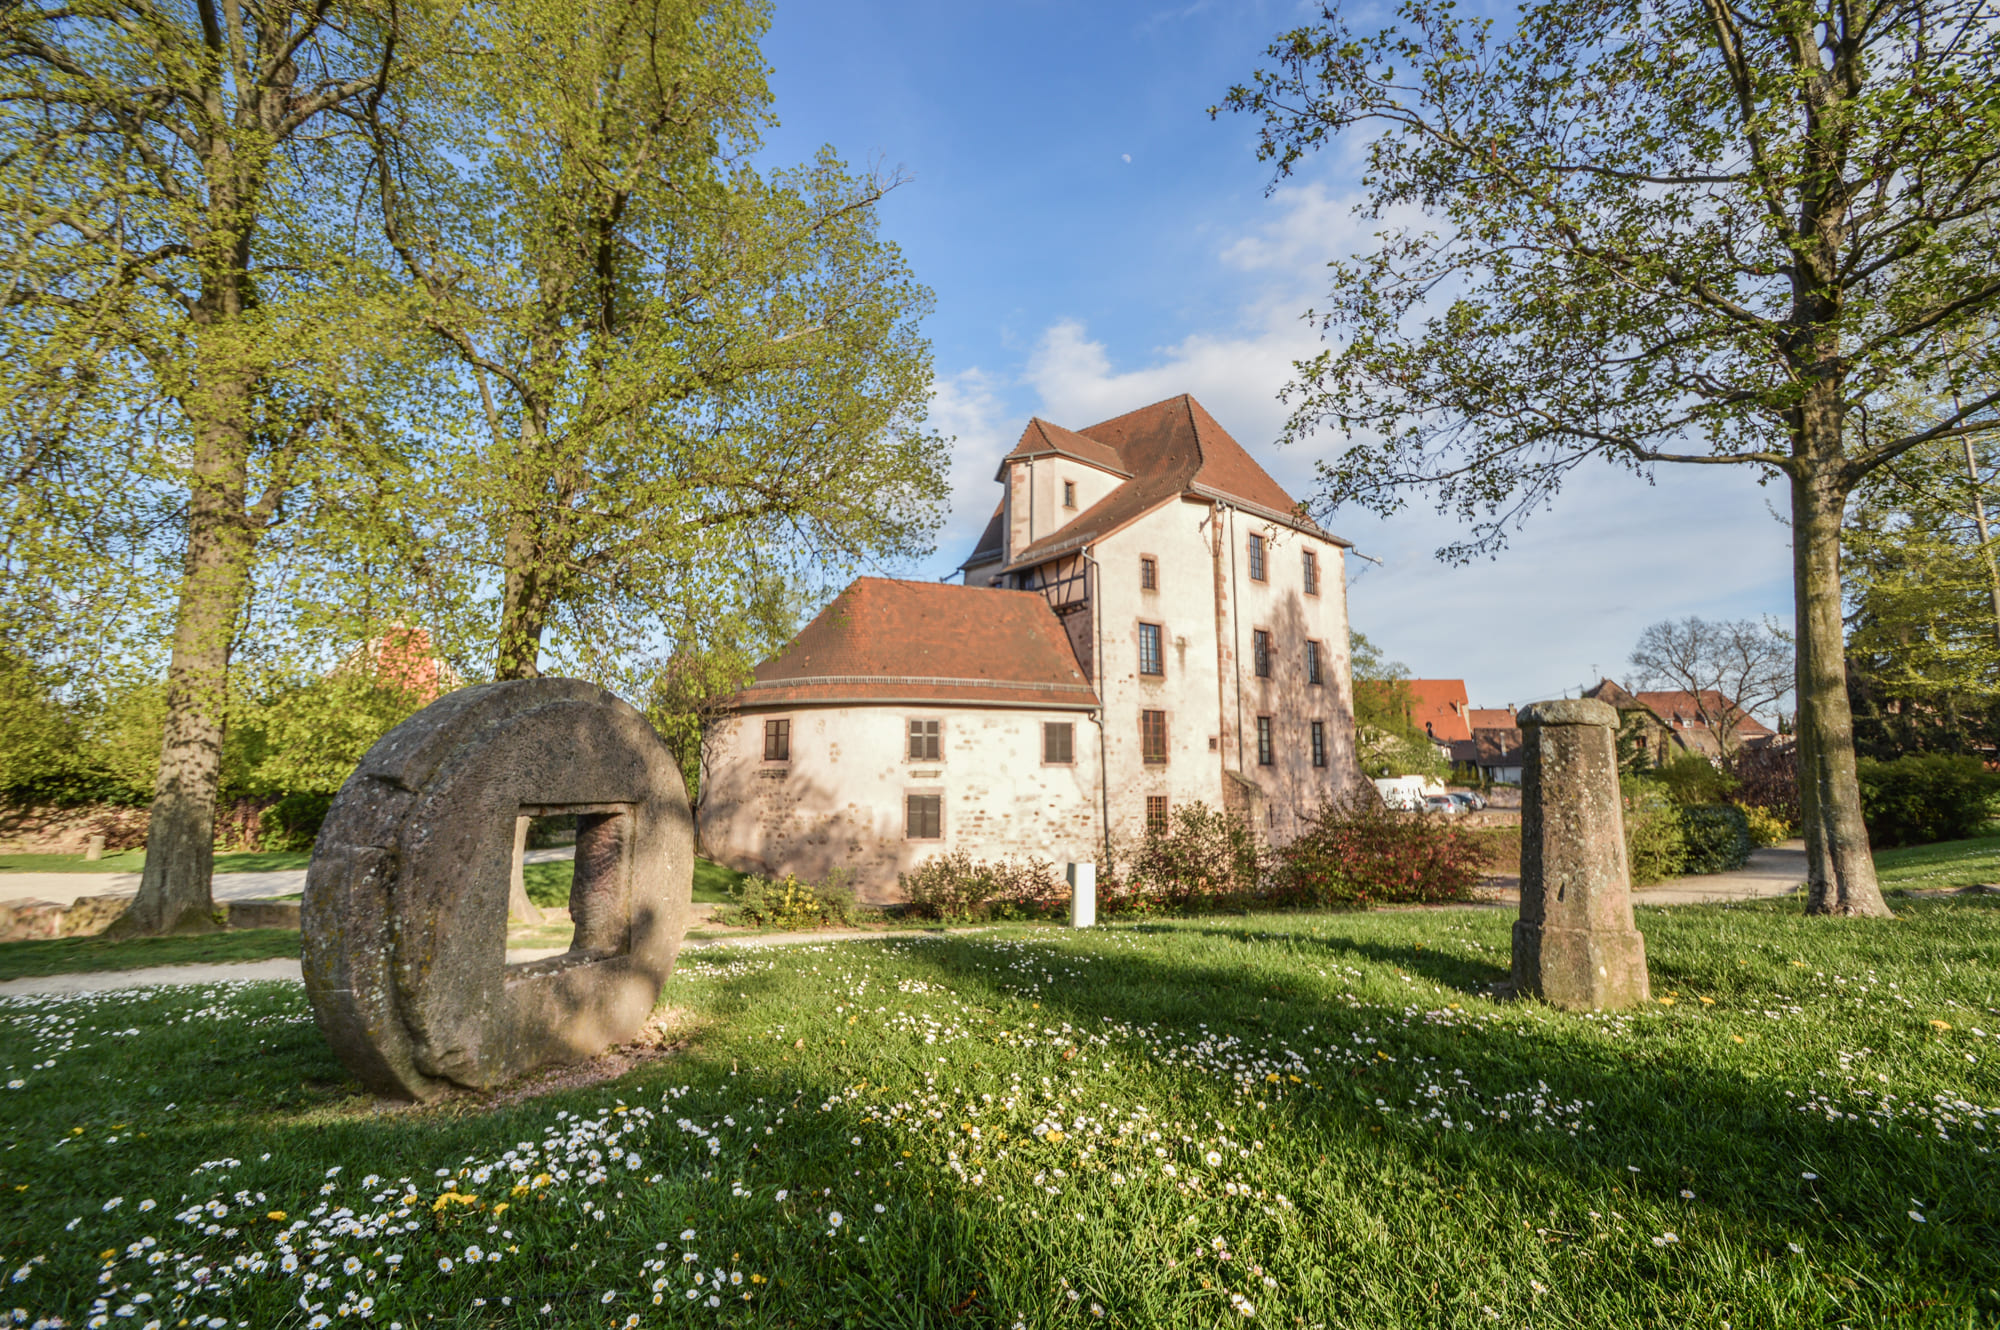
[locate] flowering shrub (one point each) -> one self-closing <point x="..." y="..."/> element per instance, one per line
<point x="956" y="886"/>
<point x="1363" y="853"/>
<point x="792" y="902"/>
<point x="1766" y="826"/>
<point x="1204" y="855"/>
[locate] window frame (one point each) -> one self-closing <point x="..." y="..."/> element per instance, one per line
<point x="910" y="798"/>
<point x="1311" y="566"/>
<point x="1315" y="667"/>
<point x="1158" y="814"/>
<point x="1069" y="729"/>
<point x="779" y="728"/>
<point x="1267" y="743"/>
<point x="1149" y="573"/>
<point x="1259" y="567"/>
<point x="1069" y="494"/>
<point x="1149" y="718"/>
<point x="1159" y="636"/>
<point x="910" y="736"/>
<point x="1261" y="650"/>
<point x="1319" y="744"/>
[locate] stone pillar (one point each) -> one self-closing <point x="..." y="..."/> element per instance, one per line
<point x="1575" y="944"/>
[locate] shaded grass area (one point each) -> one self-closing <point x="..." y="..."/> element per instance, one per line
<point x="77" y="954"/>
<point x="548" y="884"/>
<point x="1503" y="844"/>
<point x="133" y="861"/>
<point x="1322" y="1118"/>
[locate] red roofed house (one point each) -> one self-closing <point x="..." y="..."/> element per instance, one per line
<point x="1662" y="722"/>
<point x="1439" y="708"/>
<point x="1147" y="620"/>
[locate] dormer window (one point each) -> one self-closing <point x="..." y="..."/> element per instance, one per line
<point x="1069" y="494"/>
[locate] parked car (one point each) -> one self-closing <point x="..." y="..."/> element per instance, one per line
<point x="1467" y="803"/>
<point x="1442" y="803"/>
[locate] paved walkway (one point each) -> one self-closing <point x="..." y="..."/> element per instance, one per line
<point x="1778" y="870"/>
<point x="67" y="888"/>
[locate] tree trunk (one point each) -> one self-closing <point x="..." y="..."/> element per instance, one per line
<point x="175" y="889"/>
<point x="525" y="603"/>
<point x="1840" y="871"/>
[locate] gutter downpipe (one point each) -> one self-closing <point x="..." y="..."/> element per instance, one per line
<point x="1235" y="639"/>
<point x="1097" y="716"/>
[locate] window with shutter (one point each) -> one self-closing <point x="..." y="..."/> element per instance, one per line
<point x="1058" y="742"/>
<point x="925" y="820"/>
<point x="924" y="745"/>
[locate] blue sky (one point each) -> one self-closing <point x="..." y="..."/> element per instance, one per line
<point x="1096" y="243"/>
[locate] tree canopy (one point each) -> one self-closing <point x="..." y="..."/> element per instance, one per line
<point x="1634" y="234"/>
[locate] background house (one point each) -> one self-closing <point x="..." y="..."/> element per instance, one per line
<point x="1664" y="724"/>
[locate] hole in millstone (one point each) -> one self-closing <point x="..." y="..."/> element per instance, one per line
<point x="576" y="858"/>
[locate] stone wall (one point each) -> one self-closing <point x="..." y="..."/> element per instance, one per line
<point x="68" y="830"/>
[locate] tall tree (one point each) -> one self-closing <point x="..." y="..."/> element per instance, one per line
<point x="1731" y="669"/>
<point x="182" y="244"/>
<point x="680" y="371"/>
<point x="1697" y="232"/>
<point x="1923" y="595"/>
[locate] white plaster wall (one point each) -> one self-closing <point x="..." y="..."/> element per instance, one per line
<point x="1184" y="607"/>
<point x="1034" y="496"/>
<point x="839" y="801"/>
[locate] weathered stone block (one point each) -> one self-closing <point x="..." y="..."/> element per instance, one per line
<point x="1575" y="943"/>
<point x="405" y="912"/>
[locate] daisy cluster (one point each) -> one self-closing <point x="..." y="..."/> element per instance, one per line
<point x="59" y="1024"/>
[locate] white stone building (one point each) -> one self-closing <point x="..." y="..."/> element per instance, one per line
<point x="1148" y="620"/>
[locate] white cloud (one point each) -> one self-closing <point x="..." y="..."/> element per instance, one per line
<point x="968" y="405"/>
<point x="1612" y="554"/>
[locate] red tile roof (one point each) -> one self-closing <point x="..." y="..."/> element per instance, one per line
<point x="926" y="642"/>
<point x="1438" y="707"/>
<point x="1042" y="438"/>
<point x="1169" y="449"/>
<point x="1681" y="707"/>
<point x="1491" y="718"/>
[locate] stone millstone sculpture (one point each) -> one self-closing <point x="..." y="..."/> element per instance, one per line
<point x="1575" y="943"/>
<point x="405" y="914"/>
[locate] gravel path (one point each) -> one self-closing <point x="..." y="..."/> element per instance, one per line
<point x="286" y="969"/>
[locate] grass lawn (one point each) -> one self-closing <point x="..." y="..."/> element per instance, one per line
<point x="132" y="861"/>
<point x="548" y="884"/>
<point x="1297" y="1120"/>
<point x="1953" y="863"/>
<point x="72" y="954"/>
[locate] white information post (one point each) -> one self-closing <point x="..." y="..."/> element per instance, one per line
<point x="1082" y="895"/>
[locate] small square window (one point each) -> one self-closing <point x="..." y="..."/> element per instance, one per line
<point x="1058" y="742"/>
<point x="1265" y="754"/>
<point x="1149" y="574"/>
<point x="925" y="817"/>
<point x="1156" y="815"/>
<point x="1312" y="572"/>
<point x="924" y="746"/>
<point x="1260" y="652"/>
<point x="1313" y="674"/>
<point x="1319" y="743"/>
<point x="777" y="741"/>
<point x="1069" y="494"/>
<point x="1150" y="661"/>
<point x="1153" y="737"/>
<point x="1256" y="557"/>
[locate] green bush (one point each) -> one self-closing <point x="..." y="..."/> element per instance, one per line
<point x="1917" y="800"/>
<point x="1365" y="853"/>
<point x="1767" y="825"/>
<point x="1655" y="848"/>
<point x="1205" y="855"/>
<point x="793" y="902"/>
<point x="1692" y="781"/>
<point x="293" y="822"/>
<point x="1715" y="838"/>
<point x="955" y="887"/>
